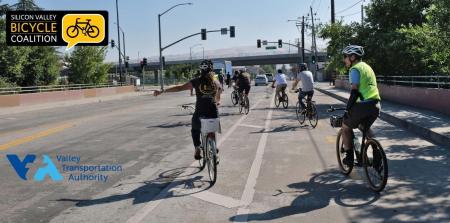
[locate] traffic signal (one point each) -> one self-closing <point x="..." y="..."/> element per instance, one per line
<point x="144" y="61"/>
<point x="164" y="61"/>
<point x="113" y="44"/>
<point x="126" y="64"/>
<point x="313" y="59"/>
<point x="232" y="32"/>
<point x="203" y="33"/>
<point x="127" y="58"/>
<point x="280" y="43"/>
<point x="258" y="43"/>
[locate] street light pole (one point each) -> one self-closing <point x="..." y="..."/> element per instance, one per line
<point x="190" y="50"/>
<point x="118" y="38"/>
<point x="161" y="80"/>
<point x="124" y="52"/>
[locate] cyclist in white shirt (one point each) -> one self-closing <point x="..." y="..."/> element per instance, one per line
<point x="306" y="77"/>
<point x="280" y="80"/>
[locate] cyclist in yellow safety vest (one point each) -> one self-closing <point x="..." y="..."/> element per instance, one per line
<point x="363" y="106"/>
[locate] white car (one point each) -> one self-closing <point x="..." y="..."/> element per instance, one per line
<point x="261" y="79"/>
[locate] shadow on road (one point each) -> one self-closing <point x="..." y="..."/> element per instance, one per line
<point x="181" y="182"/>
<point x="317" y="193"/>
<point x="171" y="125"/>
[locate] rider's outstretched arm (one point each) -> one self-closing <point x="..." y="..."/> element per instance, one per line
<point x="183" y="87"/>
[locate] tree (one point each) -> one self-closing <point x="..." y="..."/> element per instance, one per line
<point x="86" y="65"/>
<point x="268" y="68"/>
<point x="401" y="37"/>
<point x="42" y="66"/>
<point x="23" y="65"/>
<point x="26" y="5"/>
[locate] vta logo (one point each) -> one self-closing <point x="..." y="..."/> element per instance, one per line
<point x="22" y="169"/>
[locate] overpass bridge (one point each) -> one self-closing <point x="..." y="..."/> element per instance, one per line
<point x="236" y="61"/>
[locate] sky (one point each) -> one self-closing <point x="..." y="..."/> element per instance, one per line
<point x="253" y="19"/>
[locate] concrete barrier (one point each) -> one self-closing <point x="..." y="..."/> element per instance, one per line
<point x="427" y="98"/>
<point x="58" y="96"/>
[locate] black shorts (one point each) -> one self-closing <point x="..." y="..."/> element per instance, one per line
<point x="364" y="114"/>
<point x="245" y="88"/>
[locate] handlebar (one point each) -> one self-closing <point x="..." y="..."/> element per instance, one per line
<point x="332" y="109"/>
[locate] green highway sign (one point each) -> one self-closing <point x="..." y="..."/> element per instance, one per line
<point x="271" y="47"/>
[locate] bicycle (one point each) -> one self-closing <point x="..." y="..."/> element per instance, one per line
<point x="88" y="29"/>
<point x="310" y="111"/>
<point x="244" y="104"/>
<point x="189" y="107"/>
<point x="209" y="127"/>
<point x="375" y="166"/>
<point x="235" y="96"/>
<point x="284" y="99"/>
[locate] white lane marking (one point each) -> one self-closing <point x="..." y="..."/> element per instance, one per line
<point x="249" y="191"/>
<point x="252" y="126"/>
<point x="218" y="199"/>
<point x="151" y="205"/>
<point x="231" y="130"/>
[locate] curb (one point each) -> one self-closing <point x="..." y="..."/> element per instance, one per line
<point x="425" y="133"/>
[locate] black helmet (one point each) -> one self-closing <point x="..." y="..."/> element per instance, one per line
<point x="206" y="65"/>
<point x="280" y="71"/>
<point x="303" y="66"/>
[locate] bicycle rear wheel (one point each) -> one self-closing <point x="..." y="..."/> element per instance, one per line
<point x="247" y="105"/>
<point x="202" y="161"/>
<point x="375" y="165"/>
<point x="313" y="115"/>
<point x="211" y="153"/>
<point x="285" y="101"/>
<point x="301" y="116"/>
<point x="277" y="101"/>
<point x="340" y="153"/>
<point x="234" y="98"/>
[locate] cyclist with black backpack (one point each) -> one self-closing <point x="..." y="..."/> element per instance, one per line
<point x="243" y="82"/>
<point x="208" y="92"/>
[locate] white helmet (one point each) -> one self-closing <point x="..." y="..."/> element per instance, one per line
<point x="353" y="49"/>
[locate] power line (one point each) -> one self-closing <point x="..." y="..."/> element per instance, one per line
<point x="351" y="14"/>
<point x="349" y="7"/>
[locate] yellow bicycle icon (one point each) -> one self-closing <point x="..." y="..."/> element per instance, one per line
<point x="88" y="30"/>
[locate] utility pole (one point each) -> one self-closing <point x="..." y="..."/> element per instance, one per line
<point x="314" y="42"/>
<point x="362" y="14"/>
<point x="118" y="39"/>
<point x="303" y="39"/>
<point x="332" y="12"/>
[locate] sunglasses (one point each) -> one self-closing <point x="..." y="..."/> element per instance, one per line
<point x="204" y="66"/>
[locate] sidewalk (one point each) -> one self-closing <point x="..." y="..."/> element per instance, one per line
<point x="18" y="109"/>
<point x="432" y="126"/>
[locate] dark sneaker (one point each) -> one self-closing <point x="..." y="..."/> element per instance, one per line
<point x="197" y="155"/>
<point x="348" y="159"/>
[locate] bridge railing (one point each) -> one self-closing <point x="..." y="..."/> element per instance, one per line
<point x="428" y="81"/>
<point x="49" y="88"/>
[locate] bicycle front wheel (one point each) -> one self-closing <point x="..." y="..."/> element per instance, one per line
<point x="313" y="116"/>
<point x="93" y="31"/>
<point x="375" y="165"/>
<point x="212" y="159"/>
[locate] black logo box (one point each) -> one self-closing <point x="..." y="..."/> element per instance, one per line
<point x="58" y="15"/>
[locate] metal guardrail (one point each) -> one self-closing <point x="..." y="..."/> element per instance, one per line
<point x="438" y="81"/>
<point x="49" y="88"/>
